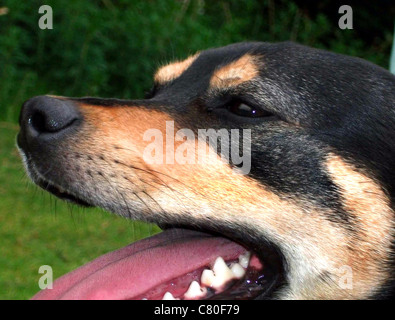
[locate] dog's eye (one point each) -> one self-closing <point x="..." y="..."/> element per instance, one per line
<point x="244" y="110"/>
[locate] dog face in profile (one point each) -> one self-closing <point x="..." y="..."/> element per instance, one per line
<point x="311" y="218"/>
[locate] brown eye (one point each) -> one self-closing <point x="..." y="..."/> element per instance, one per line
<point x="244" y="110"/>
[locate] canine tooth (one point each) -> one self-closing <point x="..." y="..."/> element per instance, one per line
<point x="237" y="270"/>
<point x="195" y="291"/>
<point x="221" y="272"/>
<point x="168" y="296"/>
<point x="220" y="268"/>
<point x="244" y="259"/>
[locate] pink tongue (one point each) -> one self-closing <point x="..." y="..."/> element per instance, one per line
<point x="141" y="266"/>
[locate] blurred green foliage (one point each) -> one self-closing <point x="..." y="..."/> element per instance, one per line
<point x="112" y="47"/>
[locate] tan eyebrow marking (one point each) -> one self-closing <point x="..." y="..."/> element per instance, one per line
<point x="236" y="72"/>
<point x="174" y="70"/>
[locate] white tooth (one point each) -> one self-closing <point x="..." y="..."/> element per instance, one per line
<point x="244" y="259"/>
<point x="207" y="278"/>
<point x="222" y="273"/>
<point x="238" y="271"/>
<point x="220" y="268"/>
<point x="195" y="291"/>
<point x="168" y="296"/>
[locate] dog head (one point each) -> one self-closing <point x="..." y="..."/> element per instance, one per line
<point x="301" y="175"/>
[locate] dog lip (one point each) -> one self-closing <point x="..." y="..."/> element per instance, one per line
<point x="63" y="195"/>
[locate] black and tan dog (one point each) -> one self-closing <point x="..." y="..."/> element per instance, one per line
<point x="313" y="219"/>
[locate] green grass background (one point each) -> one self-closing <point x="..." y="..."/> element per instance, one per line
<point x="36" y="229"/>
<point x="110" y="48"/>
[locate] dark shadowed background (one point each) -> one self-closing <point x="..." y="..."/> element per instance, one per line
<point x="110" y="48"/>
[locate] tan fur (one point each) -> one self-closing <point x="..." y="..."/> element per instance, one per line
<point x="368" y="202"/>
<point x="174" y="70"/>
<point x="311" y="243"/>
<point x="244" y="69"/>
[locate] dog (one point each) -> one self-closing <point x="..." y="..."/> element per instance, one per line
<point x="313" y="218"/>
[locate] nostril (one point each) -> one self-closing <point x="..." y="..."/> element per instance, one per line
<point x="37" y="121"/>
<point x="43" y="122"/>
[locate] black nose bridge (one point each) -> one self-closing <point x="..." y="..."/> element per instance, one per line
<point x="46" y="117"/>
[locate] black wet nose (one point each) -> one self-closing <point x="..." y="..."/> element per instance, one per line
<point x="46" y="118"/>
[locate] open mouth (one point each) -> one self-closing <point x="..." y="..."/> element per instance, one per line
<point x="177" y="264"/>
